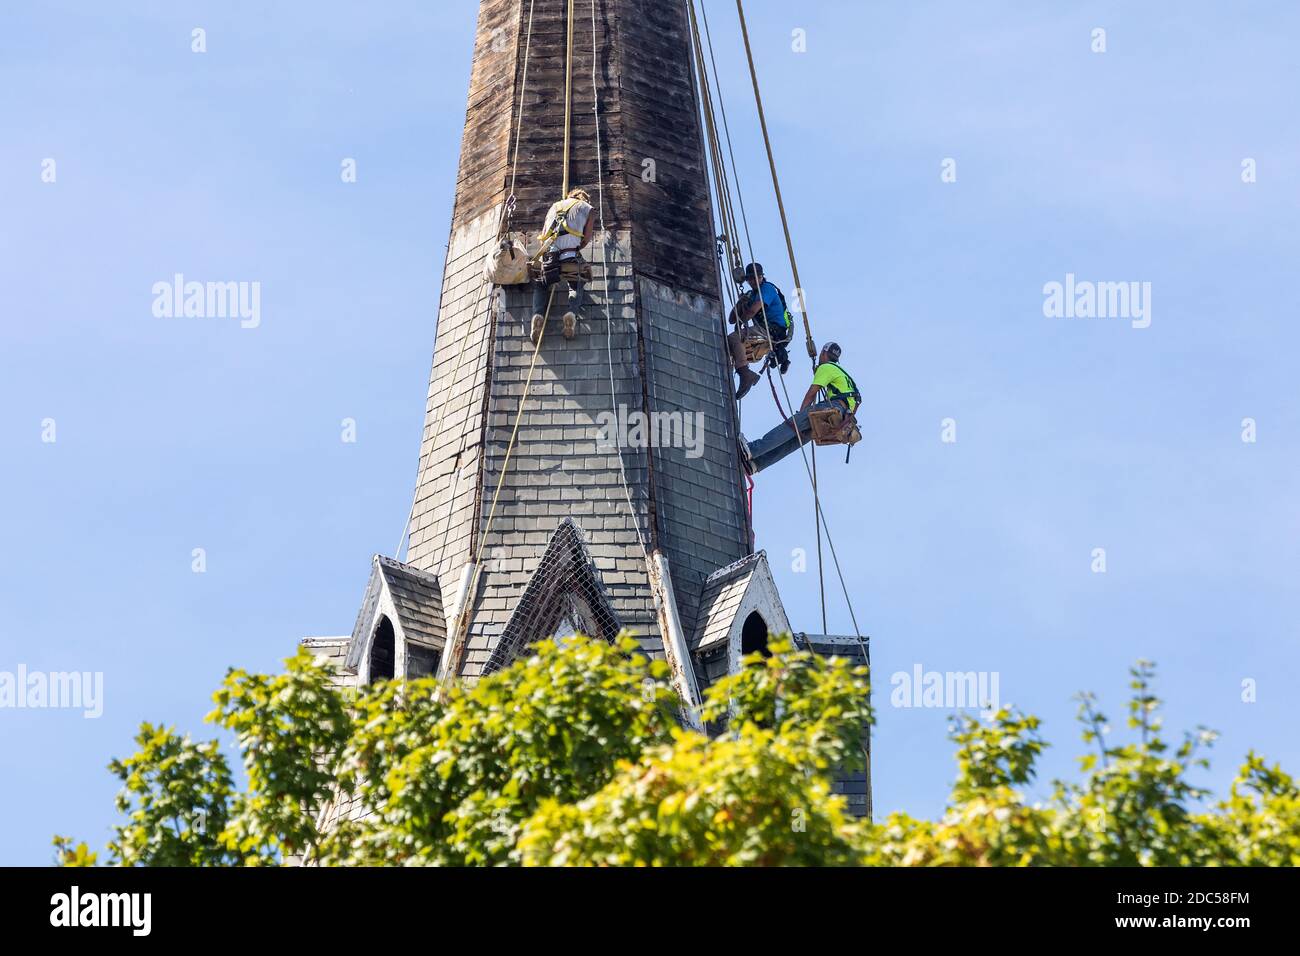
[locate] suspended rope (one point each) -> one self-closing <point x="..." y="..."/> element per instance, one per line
<point x="726" y="126"/>
<point x="729" y="226"/>
<point x="728" y="223"/>
<point x="722" y="192"/>
<point x="519" y="125"/>
<point x="463" y="614"/>
<point x="798" y="285"/>
<point x="568" y="101"/>
<point x="462" y="619"/>
<point x="604" y="272"/>
<point x="721" y="199"/>
<point x="776" y="184"/>
<point x="504" y="218"/>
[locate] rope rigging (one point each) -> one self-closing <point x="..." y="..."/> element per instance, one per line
<point x="721" y="183"/>
<point x="504" y="220"/>
<point x="604" y="271"/>
<point x="729" y="228"/>
<point x="459" y="630"/>
<point x="725" y="206"/>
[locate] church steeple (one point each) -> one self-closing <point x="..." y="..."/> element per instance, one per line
<point x="600" y="485"/>
<point x="651" y="340"/>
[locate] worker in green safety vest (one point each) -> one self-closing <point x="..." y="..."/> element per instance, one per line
<point x="839" y="391"/>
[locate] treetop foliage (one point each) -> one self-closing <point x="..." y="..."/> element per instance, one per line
<point x="576" y="756"/>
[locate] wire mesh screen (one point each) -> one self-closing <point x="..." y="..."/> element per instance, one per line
<point x="565" y="589"/>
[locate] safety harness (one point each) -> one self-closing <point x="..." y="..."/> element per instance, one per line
<point x="559" y="223"/>
<point x="834" y="393"/>
<point x="848" y="425"/>
<point x="766" y="333"/>
<point x="785" y="311"/>
<point x="772" y="321"/>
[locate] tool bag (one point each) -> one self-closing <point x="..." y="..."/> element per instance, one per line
<point x="831" y="426"/>
<point x="507" y="264"/>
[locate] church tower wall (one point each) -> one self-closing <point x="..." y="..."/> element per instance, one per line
<point x="662" y="343"/>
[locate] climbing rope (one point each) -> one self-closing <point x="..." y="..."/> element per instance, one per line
<point x="726" y="212"/>
<point x="523" y="91"/>
<point x="725" y="206"/>
<point x="776" y="184"/>
<point x="464" y="612"/>
<point x="803" y="304"/>
<point x="726" y="126"/>
<point x="604" y="272"/>
<point x="568" y="101"/>
<point x="728" y="224"/>
<point x="504" y="218"/>
<point x="514" y="434"/>
<point x="723" y="199"/>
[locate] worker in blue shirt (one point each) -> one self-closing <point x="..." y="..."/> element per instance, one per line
<point x="765" y="307"/>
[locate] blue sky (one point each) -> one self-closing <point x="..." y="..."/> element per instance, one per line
<point x="1072" y="434"/>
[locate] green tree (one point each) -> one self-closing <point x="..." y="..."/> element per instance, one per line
<point x="290" y="729"/>
<point x="760" y="794"/>
<point x="1133" y="806"/>
<point x="575" y="755"/>
<point x="175" y="798"/>
<point x="453" y="782"/>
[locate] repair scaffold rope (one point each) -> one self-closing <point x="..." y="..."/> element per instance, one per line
<point x="463" y="614"/>
<point x="504" y="219"/>
<point x="727" y="221"/>
<point x="604" y="271"/>
<point x="726" y="210"/>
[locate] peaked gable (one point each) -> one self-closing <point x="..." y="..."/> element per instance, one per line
<point x="410" y="598"/>
<point x="728" y="598"/>
<point x="564" y="587"/>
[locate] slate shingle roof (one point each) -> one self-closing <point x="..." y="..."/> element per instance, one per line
<point x="723" y="591"/>
<point x="417" y="603"/>
<point x="829" y="646"/>
<point x="418" y="599"/>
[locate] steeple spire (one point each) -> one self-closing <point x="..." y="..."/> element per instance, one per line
<point x="650" y="339"/>
<point x="591" y="482"/>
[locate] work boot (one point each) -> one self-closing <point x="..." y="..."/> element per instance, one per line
<point x="748" y="379"/>
<point x="570" y="325"/>
<point x="746" y="459"/>
<point x="539" y="325"/>
<point x="780" y="359"/>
